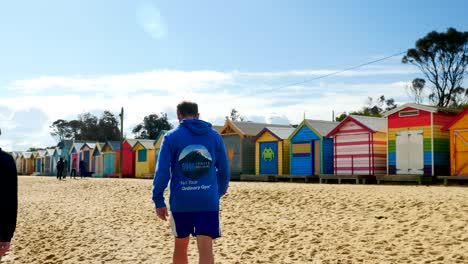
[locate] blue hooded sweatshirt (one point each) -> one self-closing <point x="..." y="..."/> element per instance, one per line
<point x="193" y="158"/>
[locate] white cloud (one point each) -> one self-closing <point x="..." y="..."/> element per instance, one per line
<point x="43" y="99"/>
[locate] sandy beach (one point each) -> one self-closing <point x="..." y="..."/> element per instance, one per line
<point x="113" y="221"/>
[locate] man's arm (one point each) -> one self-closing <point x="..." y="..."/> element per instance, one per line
<point x="222" y="164"/>
<point x="162" y="174"/>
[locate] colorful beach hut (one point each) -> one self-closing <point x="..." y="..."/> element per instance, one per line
<point x="458" y="131"/>
<point x="144" y="158"/>
<point x="416" y="144"/>
<point x="57" y="154"/>
<point x="128" y="165"/>
<point x="74" y="154"/>
<point x="311" y="152"/>
<point x="239" y="140"/>
<point x="27" y="163"/>
<point x="86" y="156"/>
<point x="360" y="146"/>
<point x="111" y="153"/>
<point x="272" y="151"/>
<point x="97" y="160"/>
<point x="40" y="161"/>
<point x="49" y="165"/>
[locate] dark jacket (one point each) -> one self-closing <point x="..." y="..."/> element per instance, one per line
<point x="8" y="196"/>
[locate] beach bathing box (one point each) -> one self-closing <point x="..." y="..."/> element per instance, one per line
<point x="144" y="158"/>
<point x="312" y="153"/>
<point x="239" y="140"/>
<point x="27" y="164"/>
<point x="157" y="144"/>
<point x="40" y="161"/>
<point x="128" y="164"/>
<point x="97" y="160"/>
<point x="272" y="151"/>
<point x="416" y="144"/>
<point x="55" y="158"/>
<point x="360" y="146"/>
<point x="74" y="154"/>
<point x="86" y="156"/>
<point x="111" y="153"/>
<point x="49" y="165"/>
<point x="65" y="146"/>
<point x="458" y="131"/>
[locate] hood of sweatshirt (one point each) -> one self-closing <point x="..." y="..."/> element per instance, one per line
<point x="196" y="126"/>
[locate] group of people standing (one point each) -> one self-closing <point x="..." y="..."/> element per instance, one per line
<point x="62" y="168"/>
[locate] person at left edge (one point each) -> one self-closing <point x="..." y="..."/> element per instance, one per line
<point x="8" y="200"/>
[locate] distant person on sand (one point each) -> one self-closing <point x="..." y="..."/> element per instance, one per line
<point x="60" y="167"/>
<point x="82" y="168"/>
<point x="8" y="200"/>
<point x="73" y="169"/>
<point x="65" y="168"/>
<point x="193" y="158"/>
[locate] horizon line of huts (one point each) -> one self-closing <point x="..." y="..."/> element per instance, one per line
<point x="411" y="139"/>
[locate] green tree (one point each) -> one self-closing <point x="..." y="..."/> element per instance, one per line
<point x="87" y="127"/>
<point x="152" y="126"/>
<point x="373" y="107"/>
<point x="416" y="90"/>
<point x="235" y="116"/>
<point x="443" y="59"/>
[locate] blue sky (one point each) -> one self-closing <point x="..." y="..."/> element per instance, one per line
<point x="61" y="58"/>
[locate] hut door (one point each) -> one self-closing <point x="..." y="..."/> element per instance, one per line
<point x="86" y="159"/>
<point x="109" y="159"/>
<point x="268" y="158"/>
<point x="302" y="158"/>
<point x="409" y="152"/>
<point x="461" y="152"/>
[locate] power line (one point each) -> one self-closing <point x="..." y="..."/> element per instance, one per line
<point x="322" y="76"/>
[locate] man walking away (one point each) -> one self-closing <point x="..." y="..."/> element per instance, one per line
<point x="193" y="158"/>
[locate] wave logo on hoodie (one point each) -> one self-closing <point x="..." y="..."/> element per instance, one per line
<point x="195" y="161"/>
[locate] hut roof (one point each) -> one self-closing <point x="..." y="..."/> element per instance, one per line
<point x="77" y="146"/>
<point x="455" y="119"/>
<point x="428" y="108"/>
<point x="50" y="151"/>
<point x="322" y="127"/>
<point x="146" y="143"/>
<point x="251" y="128"/>
<point x="114" y="145"/>
<point x="26" y="154"/>
<point x="132" y="142"/>
<point x="217" y="128"/>
<point x="280" y="132"/>
<point x="41" y="153"/>
<point x="90" y="145"/>
<point x="373" y="124"/>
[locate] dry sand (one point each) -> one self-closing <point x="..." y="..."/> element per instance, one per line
<point x="113" y="221"/>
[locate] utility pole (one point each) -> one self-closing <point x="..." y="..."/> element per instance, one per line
<point x="121" y="141"/>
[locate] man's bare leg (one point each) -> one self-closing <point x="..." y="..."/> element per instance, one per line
<point x="205" y="249"/>
<point x="180" y="250"/>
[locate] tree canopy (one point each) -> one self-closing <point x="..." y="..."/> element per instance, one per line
<point x="373" y="107"/>
<point x="235" y="116"/>
<point x="87" y="127"/>
<point x="151" y="126"/>
<point x="443" y="59"/>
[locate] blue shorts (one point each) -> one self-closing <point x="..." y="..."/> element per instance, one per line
<point x="196" y="223"/>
